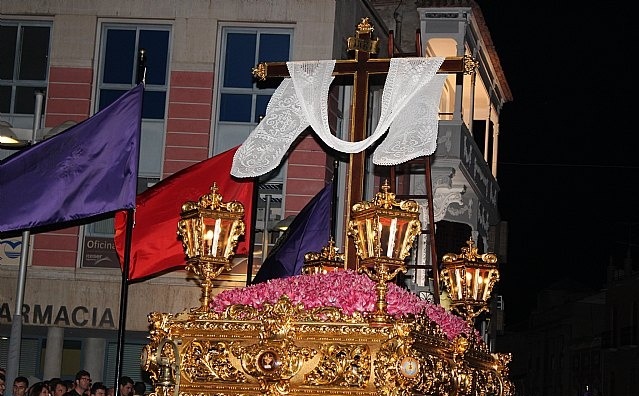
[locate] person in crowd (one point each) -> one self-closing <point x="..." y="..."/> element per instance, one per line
<point x="126" y="386"/>
<point x="110" y="391"/>
<point x="98" y="389"/>
<point x="58" y="387"/>
<point x="69" y="383"/>
<point x="20" y="386"/>
<point x="139" y="388"/>
<point x="3" y="384"/>
<point x="82" y="383"/>
<point x="39" y="389"/>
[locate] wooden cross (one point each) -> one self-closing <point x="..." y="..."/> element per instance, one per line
<point x="361" y="68"/>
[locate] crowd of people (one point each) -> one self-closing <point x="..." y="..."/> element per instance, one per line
<point x="80" y="386"/>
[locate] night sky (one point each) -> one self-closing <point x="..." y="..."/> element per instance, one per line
<point x="568" y="163"/>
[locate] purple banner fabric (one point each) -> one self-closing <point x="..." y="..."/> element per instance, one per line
<point x="310" y="231"/>
<point x="87" y="170"/>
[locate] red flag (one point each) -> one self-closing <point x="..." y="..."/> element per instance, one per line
<point x="155" y="246"/>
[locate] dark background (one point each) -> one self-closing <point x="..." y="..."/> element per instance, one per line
<point x="568" y="166"/>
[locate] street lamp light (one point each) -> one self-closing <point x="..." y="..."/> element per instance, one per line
<point x="8" y="138"/>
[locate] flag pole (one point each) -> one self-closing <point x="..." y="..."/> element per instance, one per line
<point x="334" y="198"/>
<point x="124" y="297"/>
<point x="251" y="238"/>
<point x="124" y="288"/>
<point x="15" y="340"/>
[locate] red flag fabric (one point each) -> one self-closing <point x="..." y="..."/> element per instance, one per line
<point x="155" y="246"/>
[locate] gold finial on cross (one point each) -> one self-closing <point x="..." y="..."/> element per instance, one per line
<point x="365" y="26"/>
<point x="363" y="40"/>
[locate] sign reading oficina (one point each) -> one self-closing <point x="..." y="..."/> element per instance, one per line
<point x="63" y="316"/>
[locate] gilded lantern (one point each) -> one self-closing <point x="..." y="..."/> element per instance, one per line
<point x="325" y="261"/>
<point x="469" y="278"/>
<point x="383" y="231"/>
<point x="210" y="229"/>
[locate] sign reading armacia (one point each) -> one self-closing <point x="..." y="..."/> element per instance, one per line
<point x="63" y="316"/>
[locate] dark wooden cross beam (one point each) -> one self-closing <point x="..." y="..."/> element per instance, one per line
<point x="361" y="68"/>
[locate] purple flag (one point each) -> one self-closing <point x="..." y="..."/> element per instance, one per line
<point x="310" y="231"/>
<point x="89" y="169"/>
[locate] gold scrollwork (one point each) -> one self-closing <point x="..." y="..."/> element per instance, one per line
<point x="273" y="363"/>
<point x="470" y="64"/>
<point x="436" y="377"/>
<point x="160" y="324"/>
<point x="209" y="361"/>
<point x="260" y="72"/>
<point x="345" y="365"/>
<point x="396" y="367"/>
<point x="365" y="26"/>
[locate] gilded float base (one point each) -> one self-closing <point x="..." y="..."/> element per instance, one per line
<point x="283" y="349"/>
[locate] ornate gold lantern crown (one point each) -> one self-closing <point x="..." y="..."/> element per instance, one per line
<point x="384" y="229"/>
<point x="324" y="261"/>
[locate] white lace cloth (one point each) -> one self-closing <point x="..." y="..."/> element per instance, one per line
<point x="410" y="102"/>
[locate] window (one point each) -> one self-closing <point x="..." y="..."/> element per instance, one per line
<point x="130" y="362"/>
<point x="24" y="50"/>
<point x="117" y="73"/>
<point x="241" y="100"/>
<point x="29" y="363"/>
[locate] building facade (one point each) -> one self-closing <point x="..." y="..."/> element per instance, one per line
<point x="200" y="100"/>
<point x="580" y="341"/>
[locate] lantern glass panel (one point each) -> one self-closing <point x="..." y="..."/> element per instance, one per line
<point x="459" y="274"/>
<point x="230" y="246"/>
<point x="215" y="236"/>
<point x="369" y="232"/>
<point x="188" y="238"/>
<point x="392" y="233"/>
<point x="366" y="229"/>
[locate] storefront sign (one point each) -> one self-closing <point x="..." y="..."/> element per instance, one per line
<point x="10" y="249"/>
<point x="62" y="316"/>
<point x="99" y="252"/>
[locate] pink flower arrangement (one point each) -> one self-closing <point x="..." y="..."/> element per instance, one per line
<point x="346" y="290"/>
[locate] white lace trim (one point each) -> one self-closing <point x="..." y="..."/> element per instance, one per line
<point x="409" y="108"/>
